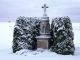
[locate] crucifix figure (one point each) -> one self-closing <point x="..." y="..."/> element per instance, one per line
<point x="44" y="29"/>
<point x="45" y="9"/>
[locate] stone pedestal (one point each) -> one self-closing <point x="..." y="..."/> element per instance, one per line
<point x="43" y="41"/>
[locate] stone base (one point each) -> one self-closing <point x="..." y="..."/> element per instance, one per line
<point x="43" y="43"/>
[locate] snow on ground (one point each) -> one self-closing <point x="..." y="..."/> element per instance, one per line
<point x="6" y="34"/>
<point x="76" y="29"/>
<point x="6" y="37"/>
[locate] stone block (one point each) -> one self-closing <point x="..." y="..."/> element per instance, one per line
<point x="43" y="43"/>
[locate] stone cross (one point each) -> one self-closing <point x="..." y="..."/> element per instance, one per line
<point x="45" y="9"/>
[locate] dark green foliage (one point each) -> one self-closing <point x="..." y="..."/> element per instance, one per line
<point x="62" y="36"/>
<point x="25" y="31"/>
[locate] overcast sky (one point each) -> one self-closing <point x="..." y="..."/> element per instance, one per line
<point x="11" y="9"/>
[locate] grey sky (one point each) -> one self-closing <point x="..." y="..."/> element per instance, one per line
<point x="11" y="9"/>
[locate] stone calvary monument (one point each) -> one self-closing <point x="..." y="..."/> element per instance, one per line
<point x="32" y="33"/>
<point x="43" y="38"/>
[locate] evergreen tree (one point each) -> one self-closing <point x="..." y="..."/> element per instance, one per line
<point x="25" y="31"/>
<point x="62" y="36"/>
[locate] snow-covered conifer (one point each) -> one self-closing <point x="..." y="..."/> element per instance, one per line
<point x="25" y="31"/>
<point x="62" y="36"/>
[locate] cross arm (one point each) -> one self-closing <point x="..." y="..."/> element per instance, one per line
<point x="42" y="7"/>
<point x="46" y="6"/>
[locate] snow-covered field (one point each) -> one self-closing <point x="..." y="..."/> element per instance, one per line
<point x="6" y="37"/>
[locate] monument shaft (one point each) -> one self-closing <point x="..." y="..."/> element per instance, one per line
<point x="43" y="39"/>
